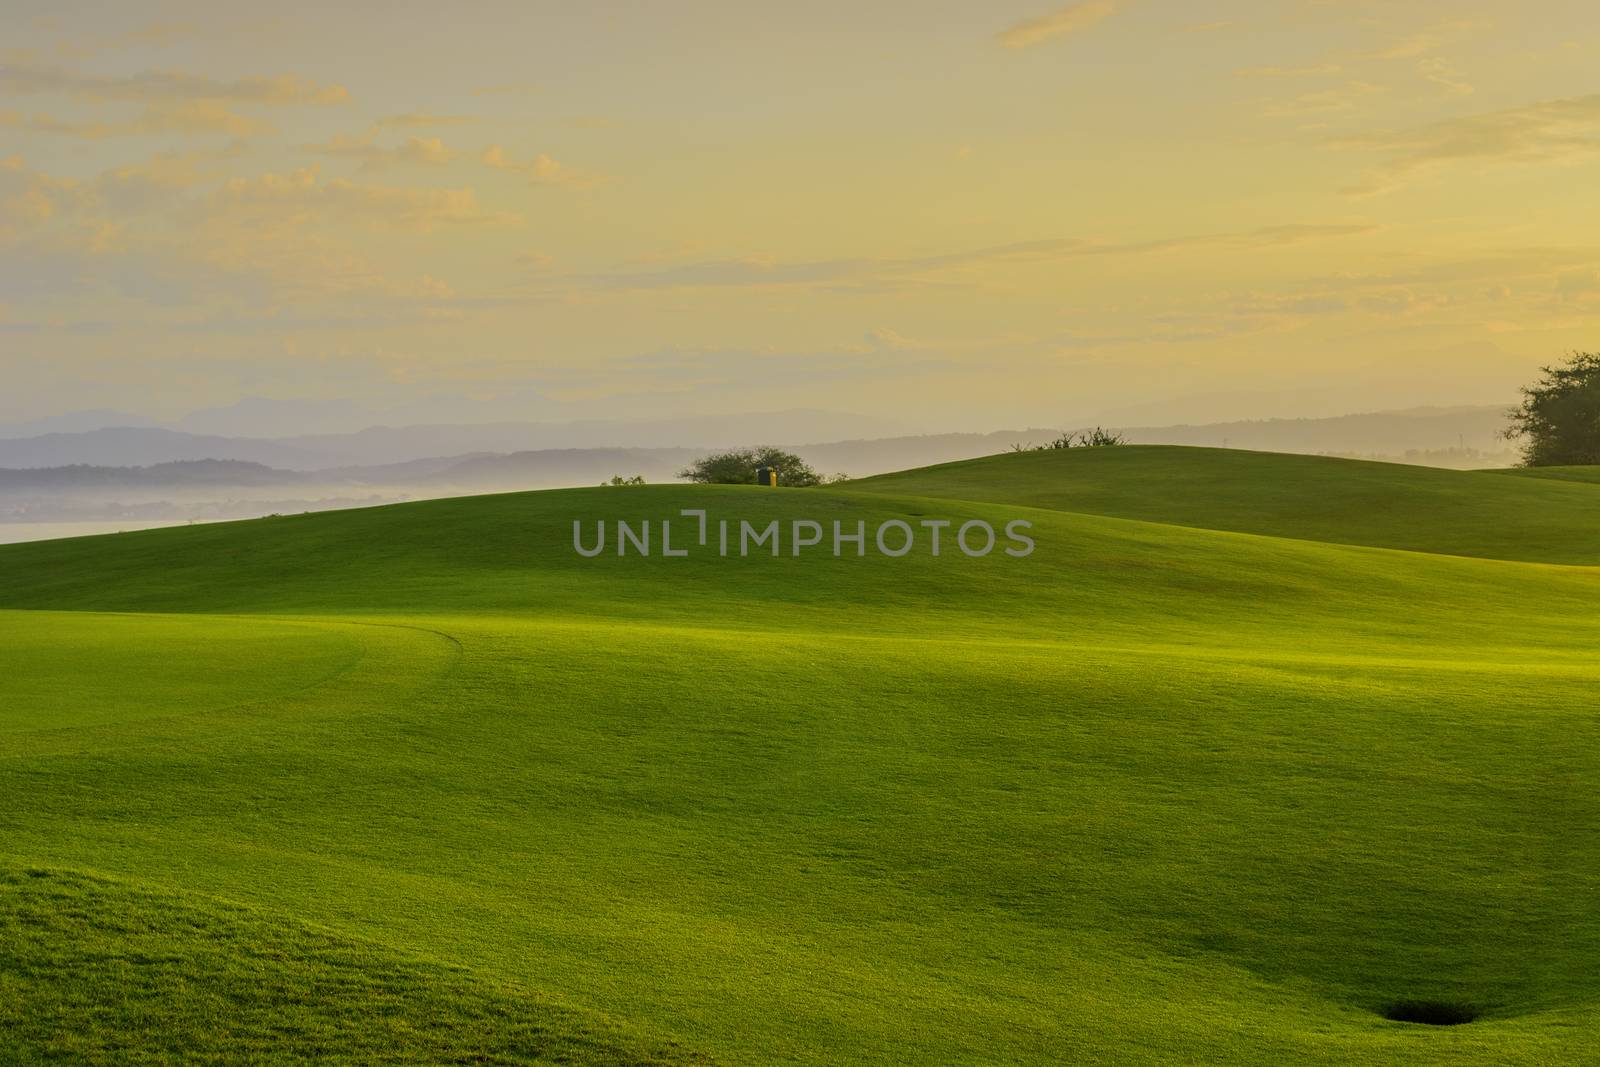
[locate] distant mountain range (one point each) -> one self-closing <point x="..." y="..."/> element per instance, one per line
<point x="202" y="472"/>
<point x="532" y="469"/>
<point x="658" y="447"/>
<point x="148" y="473"/>
<point x="141" y="445"/>
<point x="1383" y="433"/>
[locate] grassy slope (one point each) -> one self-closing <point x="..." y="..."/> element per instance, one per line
<point x="1153" y="793"/>
<point x="94" y="971"/>
<point x="1468" y="513"/>
<point x="69" y="671"/>
<point x="1560" y="474"/>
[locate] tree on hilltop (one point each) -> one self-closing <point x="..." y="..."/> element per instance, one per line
<point x="738" y="467"/>
<point x="1559" y="417"/>
<point x="1099" y="437"/>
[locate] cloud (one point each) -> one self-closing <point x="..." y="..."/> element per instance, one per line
<point x="1442" y="73"/>
<point x="1523" y="265"/>
<point x="508" y="89"/>
<point x="1288" y="72"/>
<point x="1417" y="46"/>
<point x="284" y="89"/>
<point x="885" y="338"/>
<point x="857" y="273"/>
<point x="698" y="370"/>
<point x="1548" y="131"/>
<point x="159" y="181"/>
<point x="1069" y="19"/>
<point x="1426" y="41"/>
<point x="189" y="117"/>
<point x="1386" y="301"/>
<point x="416" y="151"/>
<point x="1422" y="46"/>
<point x="1326" y="101"/>
<point x="123" y="192"/>
<point x="1407" y="48"/>
<point x="30" y="199"/>
<point x="301" y="198"/>
<point x="158" y="34"/>
<point x="421" y="120"/>
<point x="240" y="250"/>
<point x="542" y="170"/>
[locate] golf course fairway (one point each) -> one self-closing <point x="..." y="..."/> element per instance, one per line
<point x="1249" y="753"/>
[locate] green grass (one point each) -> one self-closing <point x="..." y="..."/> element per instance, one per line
<point x="1560" y="474"/>
<point x="93" y="971"/>
<point x="1316" y="498"/>
<point x="71" y="670"/>
<point x="1153" y="794"/>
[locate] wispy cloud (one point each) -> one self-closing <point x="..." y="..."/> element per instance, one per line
<point x="422" y="120"/>
<point x="883" y="338"/>
<point x="1326" y="101"/>
<point x="1422" y="47"/>
<point x="837" y="272"/>
<point x="89" y="45"/>
<point x="535" y="262"/>
<point x="1441" y="72"/>
<point x="542" y="170"/>
<point x="30" y="199"/>
<point x="196" y="117"/>
<point x="1547" y="131"/>
<point x="364" y="149"/>
<point x="160" y="181"/>
<point x="1069" y="19"/>
<point x="1417" y="48"/>
<point x="254" y="244"/>
<point x="1426" y="41"/>
<point x="301" y="197"/>
<point x="508" y="89"/>
<point x="285" y="89"/>
<point x="1308" y="70"/>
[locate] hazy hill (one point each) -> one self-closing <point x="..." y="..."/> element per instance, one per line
<point x="377" y="445"/>
<point x="137" y="446"/>
<point x="395" y="444"/>
<point x="830" y="441"/>
<point x="76" y="422"/>
<point x="1388" y="433"/>
<point x="200" y="472"/>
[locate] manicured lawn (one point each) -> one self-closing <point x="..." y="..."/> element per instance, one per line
<point x="1467" y="513"/>
<point x="420" y="779"/>
<point x="1560" y="474"/>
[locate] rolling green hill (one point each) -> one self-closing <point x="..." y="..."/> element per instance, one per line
<point x="1560" y="474"/>
<point x="1152" y="793"/>
<point x="1315" y="498"/>
<point x="167" y="977"/>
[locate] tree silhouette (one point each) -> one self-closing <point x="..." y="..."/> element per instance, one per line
<point x="1559" y="417"/>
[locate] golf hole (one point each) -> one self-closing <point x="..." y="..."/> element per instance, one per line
<point x="1430" y="1012"/>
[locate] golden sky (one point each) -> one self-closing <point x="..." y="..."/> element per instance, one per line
<point x="959" y="215"/>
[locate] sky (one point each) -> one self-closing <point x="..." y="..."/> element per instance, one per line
<point x="952" y="215"/>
